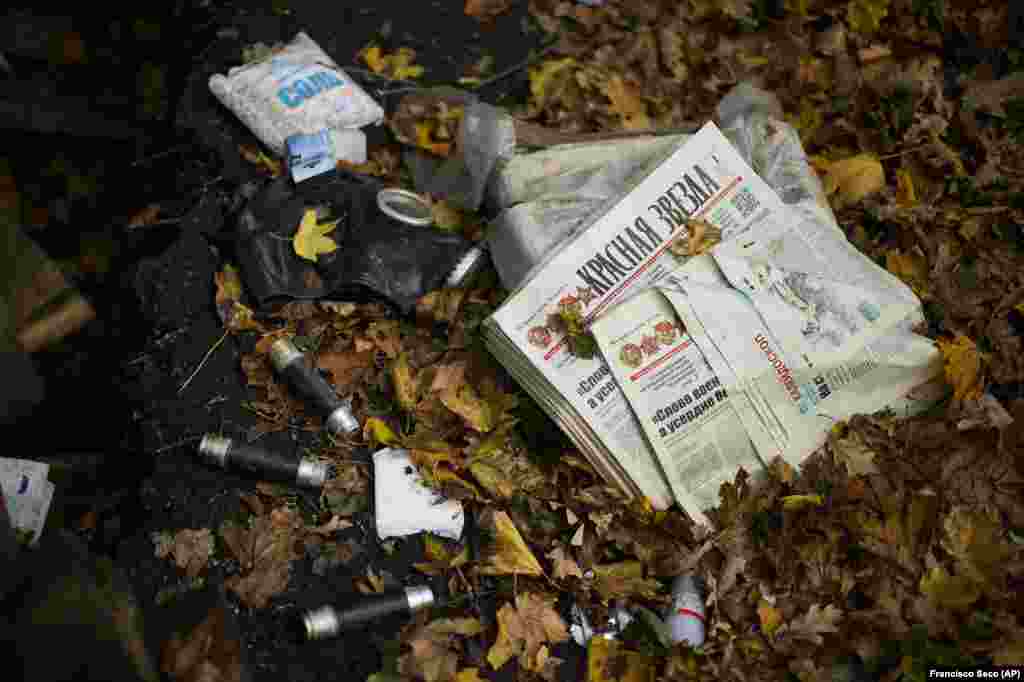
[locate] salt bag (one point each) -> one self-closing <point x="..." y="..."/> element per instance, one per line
<point x="297" y="90"/>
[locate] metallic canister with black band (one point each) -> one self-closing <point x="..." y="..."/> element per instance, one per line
<point x="266" y="464"/>
<point x="328" y="621"/>
<point x="307" y="382"/>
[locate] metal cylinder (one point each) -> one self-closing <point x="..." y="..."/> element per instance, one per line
<point x="307" y="382"/>
<point x="419" y="597"/>
<point x="321" y="623"/>
<point x="467" y="266"/>
<point x="311" y="473"/>
<point x="214" y="449"/>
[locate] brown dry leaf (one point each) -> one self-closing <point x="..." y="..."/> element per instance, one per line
<point x="1011" y="653"/>
<point x="627" y="102"/>
<point x="234" y="315"/>
<point x="975" y="539"/>
<point x="949" y="592"/>
<point x="543" y="76"/>
<point x="850" y="180"/>
<point x="386" y="335"/>
<point x="865" y="16"/>
<point x="207" y="654"/>
<point x="440" y="305"/>
<point x="991" y="96"/>
<point x="524" y="629"/>
<point x="814" y="623"/>
<point x="464" y="401"/>
<point x="190" y="548"/>
<point x="346" y="369"/>
<point x="335" y="524"/>
<point x="485" y="10"/>
<point x="563" y="565"/>
<point x="146" y="216"/>
<point x="510" y="554"/>
<point x="265" y="552"/>
<point x="963" y="363"/>
<point x="853" y="452"/>
<point x="433" y="656"/>
<point x="371" y="583"/>
<point x="624" y="579"/>
<point x="502" y="469"/>
<point x="403" y="377"/>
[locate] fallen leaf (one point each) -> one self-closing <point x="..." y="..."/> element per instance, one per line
<point x="433" y="656"/>
<point x="990" y="97"/>
<point x="853" y="452"/>
<point x="371" y="583"/>
<point x="209" y="653"/>
<point x="509" y="554"/>
<point x="234" y="315"/>
<point x="464" y="401"/>
<point x="346" y="369"/>
<point x="949" y="592"/>
<point x="798" y="502"/>
<point x="563" y="565"/>
<point x="624" y="580"/>
<point x="398" y="65"/>
<point x="850" y="180"/>
<point x="524" y="629"/>
<point x="771" y="617"/>
<point x="190" y="548"/>
<point x="311" y="238"/>
<point x="264" y="552"/>
<point x="403" y="378"/>
<point x="975" y="539"/>
<point x="962" y="363"/>
<point x="544" y="75"/>
<point x="1011" y="653"/>
<point x="146" y="216"/>
<point x="257" y="157"/>
<point x="865" y="16"/>
<point x="626" y="102"/>
<point x="814" y="623"/>
<point x="376" y="432"/>
<point x="485" y="10"/>
<point x="906" y="195"/>
<point x="910" y="267"/>
<point x="335" y="524"/>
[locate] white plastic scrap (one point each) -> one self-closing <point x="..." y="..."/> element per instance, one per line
<point x="405" y="505"/>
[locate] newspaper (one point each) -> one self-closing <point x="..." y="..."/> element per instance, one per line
<point x="624" y="251"/>
<point x="694" y="420"/>
<point x="779" y="327"/>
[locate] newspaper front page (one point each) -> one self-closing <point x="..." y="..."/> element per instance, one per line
<point x="626" y="250"/>
<point x="696" y="426"/>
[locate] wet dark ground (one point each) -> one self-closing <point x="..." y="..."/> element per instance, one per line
<point x="113" y="389"/>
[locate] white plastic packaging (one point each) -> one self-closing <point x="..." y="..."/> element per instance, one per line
<point x="310" y="155"/>
<point x="685" y="619"/>
<point x="296" y="90"/>
<point x="404" y="505"/>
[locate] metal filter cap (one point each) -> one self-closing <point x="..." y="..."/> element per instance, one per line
<point x="405" y="206"/>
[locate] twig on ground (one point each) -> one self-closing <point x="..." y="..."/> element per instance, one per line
<point x="203" y="362"/>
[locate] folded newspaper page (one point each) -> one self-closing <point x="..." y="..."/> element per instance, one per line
<point x="625" y="250"/>
<point x="695" y="423"/>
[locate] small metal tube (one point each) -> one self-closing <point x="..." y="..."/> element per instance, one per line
<point x="467" y="266"/>
<point x="327" y="621"/>
<point x="307" y="382"/>
<point x="227" y="453"/>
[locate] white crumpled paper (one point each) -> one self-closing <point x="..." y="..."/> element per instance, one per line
<point x="405" y="505"/>
<point x="27" y="492"/>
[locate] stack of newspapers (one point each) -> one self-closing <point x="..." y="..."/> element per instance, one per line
<point x="732" y="327"/>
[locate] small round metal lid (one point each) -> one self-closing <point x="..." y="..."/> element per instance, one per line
<point x="406" y="206"/>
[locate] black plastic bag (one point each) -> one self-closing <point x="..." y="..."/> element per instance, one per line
<point x="378" y="257"/>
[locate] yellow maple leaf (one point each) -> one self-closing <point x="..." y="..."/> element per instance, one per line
<point x="510" y="554"/>
<point x="311" y="238"/>
<point x="976" y="540"/>
<point x="469" y="675"/>
<point x="404" y="379"/>
<point x="425" y="139"/>
<point x="464" y="401"/>
<point x="865" y="16"/>
<point x="948" y="591"/>
<point x="962" y="362"/>
<point x="850" y="180"/>
<point x="524" y="629"/>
